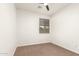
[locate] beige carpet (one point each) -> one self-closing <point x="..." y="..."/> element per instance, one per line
<point x="46" y="49"/>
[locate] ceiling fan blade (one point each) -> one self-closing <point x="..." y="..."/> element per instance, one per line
<point x="47" y="7"/>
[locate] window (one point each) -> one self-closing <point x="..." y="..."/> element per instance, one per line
<point x="43" y="25"/>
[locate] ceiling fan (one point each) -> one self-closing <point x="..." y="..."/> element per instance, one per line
<point x="46" y="5"/>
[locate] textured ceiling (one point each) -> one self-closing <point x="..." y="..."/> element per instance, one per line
<point x="33" y="7"/>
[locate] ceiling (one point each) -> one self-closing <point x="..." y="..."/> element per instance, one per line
<point x="33" y="7"/>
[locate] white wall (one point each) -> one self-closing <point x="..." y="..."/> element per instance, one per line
<point x="65" y="28"/>
<point x="7" y="29"/>
<point x="28" y="28"/>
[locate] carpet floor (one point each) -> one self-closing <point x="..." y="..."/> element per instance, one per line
<point x="46" y="49"/>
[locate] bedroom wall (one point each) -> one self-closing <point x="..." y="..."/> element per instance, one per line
<point x="65" y="28"/>
<point x="28" y="28"/>
<point x="7" y="29"/>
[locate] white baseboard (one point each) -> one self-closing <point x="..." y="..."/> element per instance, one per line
<point x="65" y="47"/>
<point x="25" y="44"/>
